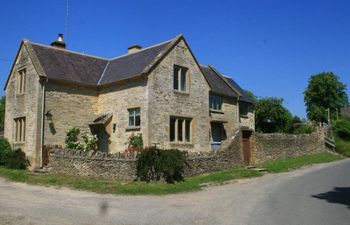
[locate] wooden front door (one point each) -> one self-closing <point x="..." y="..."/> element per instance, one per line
<point x="246" y="147"/>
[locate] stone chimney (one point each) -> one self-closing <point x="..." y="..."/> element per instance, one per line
<point x="134" y="48"/>
<point x="59" y="43"/>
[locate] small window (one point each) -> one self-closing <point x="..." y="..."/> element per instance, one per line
<point x="215" y="102"/>
<point x="180" y="129"/>
<point x="180" y="78"/>
<point x="134" y="117"/>
<point x="20" y="129"/>
<point x="243" y="109"/>
<point x="21" y="87"/>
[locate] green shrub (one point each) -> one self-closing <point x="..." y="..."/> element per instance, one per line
<point x="72" y="138"/>
<point x="72" y="141"/>
<point x="16" y="160"/>
<point x="342" y="129"/>
<point x="304" y="129"/>
<point x="154" y="164"/>
<point x="136" y="141"/>
<point x="90" y="142"/>
<point x="5" y="148"/>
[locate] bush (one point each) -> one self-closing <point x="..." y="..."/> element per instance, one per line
<point x="16" y="160"/>
<point x="72" y="138"/>
<point x="304" y="129"/>
<point x="342" y="129"/>
<point x="72" y="141"/>
<point x="135" y="143"/>
<point x="5" y="148"/>
<point x="154" y="164"/>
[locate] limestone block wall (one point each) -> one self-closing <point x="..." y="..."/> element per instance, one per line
<point x="117" y="99"/>
<point x="267" y="147"/>
<point x="228" y="115"/>
<point x="70" y="106"/>
<point x="248" y="121"/>
<point x="27" y="104"/>
<point x="164" y="102"/>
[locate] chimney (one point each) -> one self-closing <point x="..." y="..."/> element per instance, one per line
<point x="134" y="48"/>
<point x="59" y="43"/>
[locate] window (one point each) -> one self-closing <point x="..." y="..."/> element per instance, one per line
<point x="243" y="109"/>
<point x="180" y="78"/>
<point x="20" y="129"/>
<point x="21" y="81"/>
<point x="180" y="129"/>
<point x="215" y="102"/>
<point x="134" y="117"/>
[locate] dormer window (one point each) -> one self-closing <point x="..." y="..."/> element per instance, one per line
<point x="21" y="83"/>
<point x="215" y="102"/>
<point x="181" y="78"/>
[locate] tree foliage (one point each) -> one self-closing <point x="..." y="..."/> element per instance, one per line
<point x="271" y="116"/>
<point x="324" y="91"/>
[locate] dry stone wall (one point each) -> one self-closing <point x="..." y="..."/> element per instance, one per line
<point x="123" y="166"/>
<point x="267" y="147"/>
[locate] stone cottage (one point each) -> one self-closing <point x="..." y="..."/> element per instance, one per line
<point x="160" y="91"/>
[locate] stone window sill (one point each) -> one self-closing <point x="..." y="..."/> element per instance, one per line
<point x="19" y="143"/>
<point x="135" y="128"/>
<point x="244" y="116"/>
<point x="182" y="144"/>
<point x="216" y="111"/>
<point x="181" y="92"/>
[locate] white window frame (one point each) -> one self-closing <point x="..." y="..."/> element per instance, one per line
<point x="133" y="114"/>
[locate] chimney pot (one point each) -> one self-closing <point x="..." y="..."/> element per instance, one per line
<point x="134" y="48"/>
<point x="59" y="43"/>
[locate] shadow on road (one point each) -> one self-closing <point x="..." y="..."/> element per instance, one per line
<point x="339" y="195"/>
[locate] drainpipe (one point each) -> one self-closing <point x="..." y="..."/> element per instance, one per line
<point x="42" y="121"/>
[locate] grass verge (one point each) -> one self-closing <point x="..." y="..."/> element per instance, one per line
<point x="194" y="183"/>
<point x="342" y="146"/>
<point x="131" y="188"/>
<point x="278" y="166"/>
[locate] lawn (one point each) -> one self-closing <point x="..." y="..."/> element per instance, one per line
<point x="297" y="162"/>
<point x="194" y="183"/>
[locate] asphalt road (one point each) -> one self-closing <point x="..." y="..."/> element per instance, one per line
<point x="316" y="195"/>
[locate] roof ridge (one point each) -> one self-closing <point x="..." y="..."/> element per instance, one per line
<point x="66" y="50"/>
<point x="142" y="49"/>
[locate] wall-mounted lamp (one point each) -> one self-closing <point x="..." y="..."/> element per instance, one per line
<point x="48" y="116"/>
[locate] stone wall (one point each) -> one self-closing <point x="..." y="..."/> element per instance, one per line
<point x="266" y="147"/>
<point x="121" y="166"/>
<point x="27" y="104"/>
<point x="164" y="102"/>
<point x="70" y="106"/>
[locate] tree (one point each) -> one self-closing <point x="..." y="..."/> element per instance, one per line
<point x="324" y="91"/>
<point x="2" y="111"/>
<point x="271" y="116"/>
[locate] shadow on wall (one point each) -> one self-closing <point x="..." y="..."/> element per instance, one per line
<point x="339" y="195"/>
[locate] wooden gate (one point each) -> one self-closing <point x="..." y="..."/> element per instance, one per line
<point x="246" y="147"/>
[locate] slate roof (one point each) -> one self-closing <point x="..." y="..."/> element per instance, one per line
<point x="224" y="85"/>
<point x="131" y="65"/>
<point x="217" y="83"/>
<point x="66" y="65"/>
<point x="62" y="64"/>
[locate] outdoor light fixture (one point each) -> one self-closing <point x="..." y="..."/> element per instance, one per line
<point x="48" y="116"/>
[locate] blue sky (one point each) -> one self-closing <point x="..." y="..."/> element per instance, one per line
<point x="269" y="47"/>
